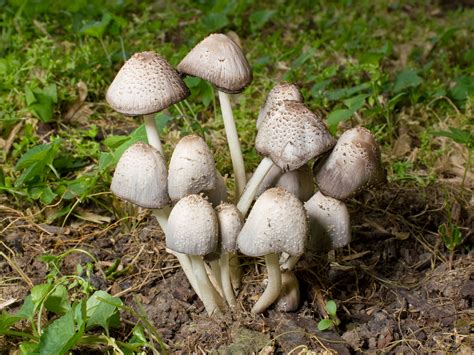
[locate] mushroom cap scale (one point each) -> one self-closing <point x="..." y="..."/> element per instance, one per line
<point x="145" y="84"/>
<point x="329" y="223"/>
<point x="280" y="92"/>
<point x="192" y="169"/>
<point x="277" y="223"/>
<point x="291" y="135"/>
<point x="192" y="227"/>
<point x="230" y="224"/>
<point x="353" y="165"/>
<point x="140" y="177"/>
<point x="220" y="61"/>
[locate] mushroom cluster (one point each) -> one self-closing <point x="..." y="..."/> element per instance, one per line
<point x="189" y="197"/>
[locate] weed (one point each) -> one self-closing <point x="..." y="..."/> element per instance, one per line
<point x="332" y="321"/>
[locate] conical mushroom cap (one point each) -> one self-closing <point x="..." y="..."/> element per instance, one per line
<point x="192" y="169"/>
<point x="230" y="224"/>
<point x="299" y="182"/>
<point x="140" y="177"/>
<point x="219" y="193"/>
<point x="277" y="223"/>
<point x="329" y="223"/>
<point x="280" y="92"/>
<point x="354" y="164"/>
<point x="220" y="61"/>
<point x="145" y="84"/>
<point x="291" y="135"/>
<point x="192" y="227"/>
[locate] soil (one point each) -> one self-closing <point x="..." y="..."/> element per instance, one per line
<point x="397" y="288"/>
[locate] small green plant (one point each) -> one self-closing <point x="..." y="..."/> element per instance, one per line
<point x="67" y="312"/>
<point x="332" y="321"/>
<point x="451" y="235"/>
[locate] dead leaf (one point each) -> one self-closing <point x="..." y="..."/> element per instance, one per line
<point x="402" y="145"/>
<point x="76" y="105"/>
<point x="92" y="217"/>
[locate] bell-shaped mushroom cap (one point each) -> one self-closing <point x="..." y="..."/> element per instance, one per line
<point x="192" y="227"/>
<point x="230" y="223"/>
<point x="145" y="84"/>
<point x="277" y="223"/>
<point x="299" y="182"/>
<point x="192" y="169"/>
<point x="291" y="135"/>
<point x="280" y="92"/>
<point x="140" y="177"/>
<point x="220" y="61"/>
<point x="219" y="193"/>
<point x="329" y="223"/>
<point x="354" y="164"/>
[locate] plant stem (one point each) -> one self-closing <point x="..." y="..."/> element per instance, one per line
<point x="251" y="189"/>
<point x="226" y="284"/>
<point x="233" y="142"/>
<point x="272" y="291"/>
<point x="152" y="132"/>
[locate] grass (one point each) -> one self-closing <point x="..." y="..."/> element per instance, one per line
<point x="402" y="69"/>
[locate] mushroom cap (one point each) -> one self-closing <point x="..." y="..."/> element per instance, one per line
<point x="192" y="227"/>
<point x="220" y="61"/>
<point x="230" y="224"/>
<point x="192" y="169"/>
<point x="140" y="177"/>
<point x="145" y="84"/>
<point x="329" y="223"/>
<point x="219" y="193"/>
<point x="299" y="182"/>
<point x="291" y="135"/>
<point x="354" y="164"/>
<point x="280" y="92"/>
<point x="277" y="223"/>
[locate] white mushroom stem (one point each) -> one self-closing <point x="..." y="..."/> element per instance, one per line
<point x="206" y="290"/>
<point x="235" y="271"/>
<point x="290" y="263"/>
<point x="251" y="189"/>
<point x="234" y="144"/>
<point x="272" y="291"/>
<point x="161" y="216"/>
<point x="226" y="281"/>
<point x="152" y="132"/>
<point x="216" y="272"/>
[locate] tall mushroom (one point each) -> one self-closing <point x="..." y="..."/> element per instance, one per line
<point x="277" y="223"/>
<point x="220" y="61"/>
<point x="146" y="84"/>
<point x="193" y="230"/>
<point x="289" y="136"/>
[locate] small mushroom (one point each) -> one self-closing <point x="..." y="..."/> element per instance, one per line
<point x="193" y="230"/>
<point x="277" y="223"/>
<point x="288" y="137"/>
<point x="146" y="84"/>
<point x="221" y="61"/>
<point x="353" y="165"/>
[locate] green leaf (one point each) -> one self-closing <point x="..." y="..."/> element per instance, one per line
<point x="258" y="19"/>
<point x="115" y="141"/>
<point x="97" y="28"/>
<point x="331" y="307"/>
<point x="460" y="136"/>
<point x="356" y="102"/>
<point x="102" y="310"/>
<point x="28" y="348"/>
<point x="339" y="115"/>
<point x="215" y="21"/>
<point x="463" y="89"/>
<point x="35" y="154"/>
<point x="42" y="193"/>
<point x="162" y="121"/>
<point x="407" y="78"/>
<point x="27" y="310"/>
<point x="59" y="336"/>
<point x="325" y="324"/>
<point x="58" y="301"/>
<point x="30" y="97"/>
<point x="339" y="94"/>
<point x="7" y="320"/>
<point x="39" y="292"/>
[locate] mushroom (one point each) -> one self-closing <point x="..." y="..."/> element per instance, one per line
<point x="299" y="182"/>
<point x="192" y="169"/>
<point x="146" y="84"/>
<point x="140" y="177"/>
<point x="353" y="165"/>
<point x="220" y="61"/>
<point x="277" y="223"/>
<point x="289" y="298"/>
<point x="280" y="92"/>
<point x="230" y="224"/>
<point x="289" y="136"/>
<point x="193" y="230"/>
<point x="329" y="223"/>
